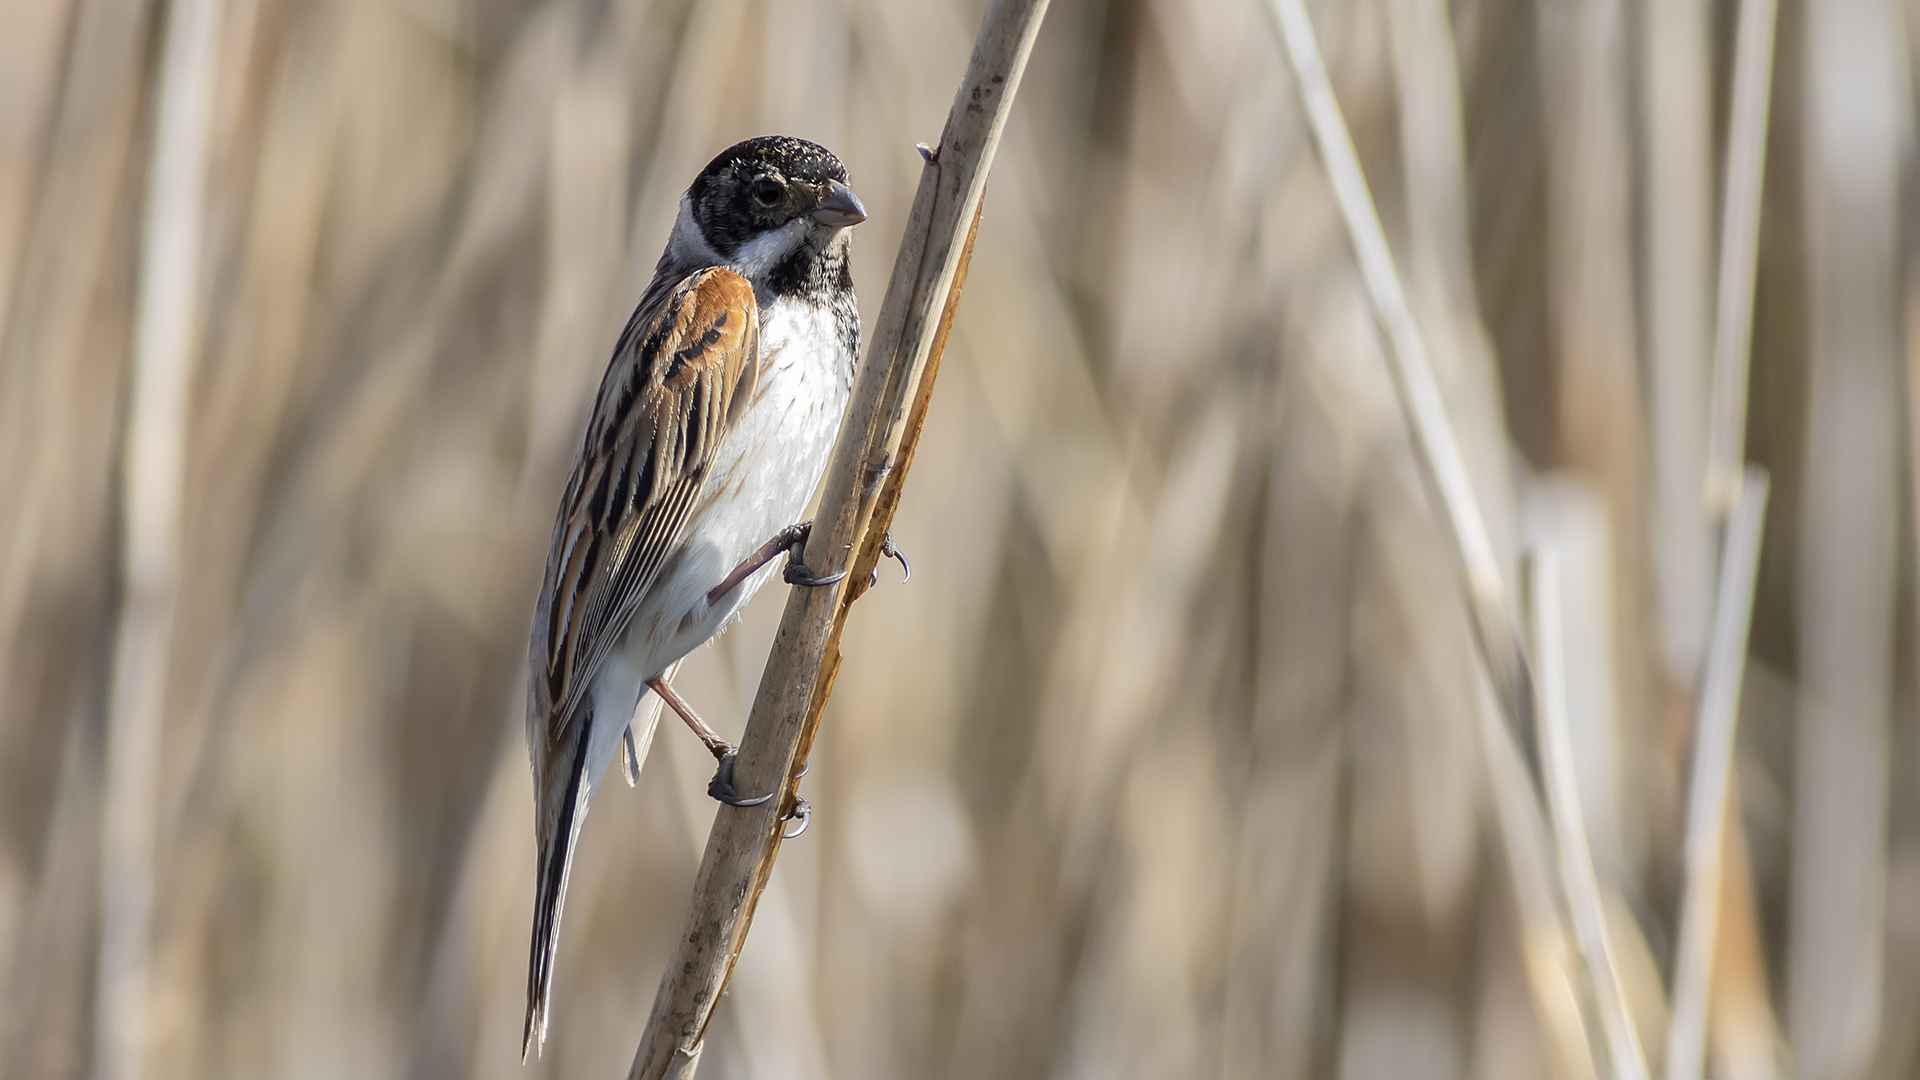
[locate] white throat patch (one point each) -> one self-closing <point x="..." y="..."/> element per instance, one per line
<point x="752" y="260"/>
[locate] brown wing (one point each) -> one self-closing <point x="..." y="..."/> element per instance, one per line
<point x="664" y="406"/>
<point x="685" y="365"/>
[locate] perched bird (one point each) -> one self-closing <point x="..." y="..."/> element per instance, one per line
<point x="710" y="430"/>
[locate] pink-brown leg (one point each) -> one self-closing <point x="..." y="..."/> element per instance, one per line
<point x="721" y="786"/>
<point x="716" y="745"/>
<point x="791" y="540"/>
<point x="769" y="551"/>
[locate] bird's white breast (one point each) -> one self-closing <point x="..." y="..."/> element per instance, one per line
<point x="761" y="481"/>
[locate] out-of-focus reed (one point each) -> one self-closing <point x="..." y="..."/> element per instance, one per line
<point x="1169" y="761"/>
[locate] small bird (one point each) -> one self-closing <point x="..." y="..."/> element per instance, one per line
<point x="710" y="430"/>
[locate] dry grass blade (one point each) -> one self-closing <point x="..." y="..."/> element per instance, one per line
<point x="1724" y="489"/>
<point x="1676" y="314"/>
<point x="1563" y="797"/>
<point x="881" y="517"/>
<point x="889" y="393"/>
<point x="1495" y="631"/>
<point x="1493" y="623"/>
<point x="1854" y="108"/>
<point x="1712" y="774"/>
<point x="1547" y="948"/>
<point x="1739" y="251"/>
<point x="165" y="343"/>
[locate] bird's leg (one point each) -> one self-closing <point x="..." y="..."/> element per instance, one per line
<point x="793" y="541"/>
<point x="721" y="787"/>
<point x="716" y="745"/>
<point x="783" y="540"/>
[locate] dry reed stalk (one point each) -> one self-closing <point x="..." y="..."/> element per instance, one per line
<point x="889" y="396"/>
<point x="1752" y="95"/>
<point x="1548" y="952"/>
<point x="1713" y="748"/>
<point x="1581" y="886"/>
<point x="1444" y="467"/>
<point x="1443" y="294"/>
<point x="1676" y="231"/>
<point x="1496" y="633"/>
<point x="1440" y="275"/>
<point x="1912" y="401"/>
<point x="1856" y="122"/>
<point x="1277" y="1019"/>
<point x="1746" y="1035"/>
<point x="1600" y="396"/>
<point x="62" y="387"/>
<point x="166" y="343"/>
<point x="1739" y="944"/>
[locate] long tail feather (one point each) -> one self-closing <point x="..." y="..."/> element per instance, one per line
<point x="550" y="895"/>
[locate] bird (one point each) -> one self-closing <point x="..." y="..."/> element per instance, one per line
<point x="708" y="434"/>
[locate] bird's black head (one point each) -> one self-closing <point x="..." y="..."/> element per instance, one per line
<point x="777" y="209"/>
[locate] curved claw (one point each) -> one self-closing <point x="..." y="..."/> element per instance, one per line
<point x="889" y="551"/>
<point x="803" y="813"/>
<point x="797" y="574"/>
<point x="721" y="786"/>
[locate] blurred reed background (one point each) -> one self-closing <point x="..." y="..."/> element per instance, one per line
<point x="1167" y="763"/>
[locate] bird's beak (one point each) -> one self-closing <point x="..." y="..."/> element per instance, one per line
<point x="840" y="208"/>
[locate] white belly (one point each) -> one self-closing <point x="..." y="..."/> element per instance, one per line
<point x="760" y="483"/>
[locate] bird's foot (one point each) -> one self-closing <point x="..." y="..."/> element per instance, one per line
<point x="802" y="812"/>
<point x="721" y="786"/>
<point x="797" y="572"/>
<point x="889" y="551"/>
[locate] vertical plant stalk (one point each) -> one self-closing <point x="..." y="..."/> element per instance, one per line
<point x="1676" y="113"/>
<point x="1855" y="109"/>
<point x="884" y="507"/>
<point x="1495" y="631"/>
<point x="1440" y="273"/>
<point x="1713" y="748"/>
<point x="1563" y="798"/>
<point x="863" y="482"/>
<point x="1739" y="251"/>
<point x="1546" y="945"/>
<point x="1737" y="1021"/>
<point x="1439" y="251"/>
<point x="166" y="336"/>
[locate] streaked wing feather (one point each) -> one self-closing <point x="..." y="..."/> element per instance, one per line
<point x="685" y="359"/>
<point x="618" y="594"/>
<point x="658" y="421"/>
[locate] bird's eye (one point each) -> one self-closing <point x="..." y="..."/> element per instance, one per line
<point x="765" y="192"/>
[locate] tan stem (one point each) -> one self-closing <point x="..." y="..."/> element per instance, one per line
<point x="869" y="463"/>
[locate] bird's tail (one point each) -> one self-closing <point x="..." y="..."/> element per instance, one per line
<point x="555" y="863"/>
<point x="638" y="737"/>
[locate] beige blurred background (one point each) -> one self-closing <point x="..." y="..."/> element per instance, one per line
<point x="1167" y="763"/>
